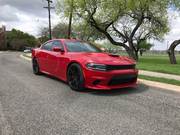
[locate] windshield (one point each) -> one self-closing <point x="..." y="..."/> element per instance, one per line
<point x="78" y="46"/>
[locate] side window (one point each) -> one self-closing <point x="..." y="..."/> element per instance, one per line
<point x="57" y="44"/>
<point x="47" y="46"/>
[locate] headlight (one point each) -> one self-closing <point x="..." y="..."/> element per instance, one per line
<point x="100" y="67"/>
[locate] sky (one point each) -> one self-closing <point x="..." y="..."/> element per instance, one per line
<point x="30" y="16"/>
<point x="174" y="33"/>
<point x="26" y="15"/>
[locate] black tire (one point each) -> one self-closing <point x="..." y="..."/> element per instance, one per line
<point x="75" y="77"/>
<point x="35" y="67"/>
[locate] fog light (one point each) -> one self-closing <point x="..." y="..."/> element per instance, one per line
<point x="96" y="82"/>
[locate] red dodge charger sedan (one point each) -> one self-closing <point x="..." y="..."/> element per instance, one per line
<point x="83" y="65"/>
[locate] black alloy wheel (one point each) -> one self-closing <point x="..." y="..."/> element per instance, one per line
<point x="35" y="65"/>
<point x="75" y="77"/>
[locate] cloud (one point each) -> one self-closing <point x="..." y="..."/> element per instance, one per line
<point x="26" y="15"/>
<point x="174" y="34"/>
<point x="31" y="23"/>
<point x="29" y="6"/>
<point x="8" y="13"/>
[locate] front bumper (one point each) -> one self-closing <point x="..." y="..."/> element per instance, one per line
<point x="108" y="80"/>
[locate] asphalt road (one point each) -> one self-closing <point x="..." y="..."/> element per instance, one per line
<point x="42" y="105"/>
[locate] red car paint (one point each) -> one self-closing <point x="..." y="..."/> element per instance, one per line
<point x="56" y="64"/>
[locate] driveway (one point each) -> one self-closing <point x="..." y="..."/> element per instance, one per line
<point x="43" y="105"/>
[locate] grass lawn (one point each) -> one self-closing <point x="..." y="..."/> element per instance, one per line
<point x="159" y="63"/>
<point x="162" y="80"/>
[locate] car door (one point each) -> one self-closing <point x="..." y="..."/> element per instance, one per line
<point x="43" y="56"/>
<point x="55" y="59"/>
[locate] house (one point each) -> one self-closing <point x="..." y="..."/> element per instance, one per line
<point x="3" y="38"/>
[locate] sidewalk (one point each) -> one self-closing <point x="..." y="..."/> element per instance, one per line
<point x="160" y="75"/>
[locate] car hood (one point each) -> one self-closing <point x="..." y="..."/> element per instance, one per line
<point x="103" y="58"/>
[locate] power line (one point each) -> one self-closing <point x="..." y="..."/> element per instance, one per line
<point x="49" y="11"/>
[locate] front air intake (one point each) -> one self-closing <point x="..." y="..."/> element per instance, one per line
<point x="120" y="67"/>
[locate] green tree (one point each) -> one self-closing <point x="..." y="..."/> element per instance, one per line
<point x="80" y="31"/>
<point x="143" y="46"/>
<point x="124" y="21"/>
<point x="18" y="40"/>
<point x="86" y="32"/>
<point x="171" y="50"/>
<point x="43" y="39"/>
<point x="58" y="31"/>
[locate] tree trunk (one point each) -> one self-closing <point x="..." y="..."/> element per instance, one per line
<point x="141" y="52"/>
<point x="132" y="53"/>
<point x="172" y="57"/>
<point x="137" y="55"/>
<point x="171" y="52"/>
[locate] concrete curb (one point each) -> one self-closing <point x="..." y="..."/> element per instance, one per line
<point x="25" y="57"/>
<point x="29" y="55"/>
<point x="161" y="75"/>
<point x="162" y="86"/>
<point x="140" y="81"/>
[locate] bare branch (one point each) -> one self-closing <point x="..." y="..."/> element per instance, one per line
<point x="94" y="24"/>
<point x="108" y="25"/>
<point x="125" y="38"/>
<point x="140" y="21"/>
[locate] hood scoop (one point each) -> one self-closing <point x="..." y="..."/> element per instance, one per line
<point x="113" y="55"/>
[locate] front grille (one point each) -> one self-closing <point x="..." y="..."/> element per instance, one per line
<point x="122" y="79"/>
<point x="120" y="67"/>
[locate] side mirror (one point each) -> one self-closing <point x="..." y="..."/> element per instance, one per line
<point x="58" y="49"/>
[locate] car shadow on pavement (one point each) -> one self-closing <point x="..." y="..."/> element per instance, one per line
<point x="125" y="91"/>
<point x="53" y="78"/>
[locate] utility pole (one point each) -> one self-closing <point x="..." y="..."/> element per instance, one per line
<point x="70" y="19"/>
<point x="49" y="11"/>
